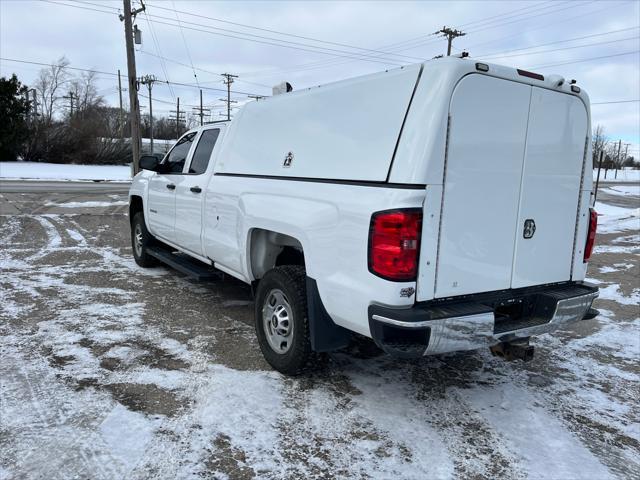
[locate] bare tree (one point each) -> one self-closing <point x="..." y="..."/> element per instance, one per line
<point x="85" y="92"/>
<point x="599" y="143"/>
<point x="48" y="87"/>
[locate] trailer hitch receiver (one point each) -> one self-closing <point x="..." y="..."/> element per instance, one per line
<point x="509" y="351"/>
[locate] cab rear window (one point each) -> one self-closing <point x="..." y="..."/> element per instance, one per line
<point x="203" y="151"/>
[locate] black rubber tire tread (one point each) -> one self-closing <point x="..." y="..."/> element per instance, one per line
<point x="144" y="260"/>
<point x="291" y="279"/>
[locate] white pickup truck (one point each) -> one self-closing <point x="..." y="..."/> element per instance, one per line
<point x="438" y="207"/>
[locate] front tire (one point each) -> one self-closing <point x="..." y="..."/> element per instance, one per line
<point x="141" y="239"/>
<point x="282" y="323"/>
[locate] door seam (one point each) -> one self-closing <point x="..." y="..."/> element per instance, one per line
<point x="575" y="230"/>
<point x="524" y="158"/>
<point x="444" y="177"/>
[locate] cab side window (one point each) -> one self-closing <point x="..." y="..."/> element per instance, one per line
<point x="201" y="156"/>
<point x="174" y="161"/>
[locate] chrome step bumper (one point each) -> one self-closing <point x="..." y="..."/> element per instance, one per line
<point x="441" y="327"/>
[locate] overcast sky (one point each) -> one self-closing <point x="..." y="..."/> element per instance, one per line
<point x="342" y="39"/>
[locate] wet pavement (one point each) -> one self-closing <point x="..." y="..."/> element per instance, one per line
<point x="113" y="371"/>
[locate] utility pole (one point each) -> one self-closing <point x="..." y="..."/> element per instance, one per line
<point x="228" y="80"/>
<point x="595" y="194"/>
<point x="134" y="107"/>
<point x="70" y="97"/>
<point x="200" y="111"/>
<point x="450" y="34"/>
<point x="179" y="118"/>
<point x="256" y="97"/>
<point x="149" y="80"/>
<point x="121" y="113"/>
<point x="626" y="150"/>
<point x="33" y="107"/>
<point x="228" y="102"/>
<point x="618" y="158"/>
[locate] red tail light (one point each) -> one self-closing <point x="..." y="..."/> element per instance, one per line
<point x="591" y="236"/>
<point x="394" y="244"/>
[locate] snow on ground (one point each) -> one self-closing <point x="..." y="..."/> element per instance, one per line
<point x="626" y="175"/>
<point x="86" y="204"/>
<point x="55" y="171"/>
<point x="613" y="219"/>
<point x="622" y="190"/>
<point x="112" y="371"/>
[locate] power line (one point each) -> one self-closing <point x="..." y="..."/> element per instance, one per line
<point x="328" y="42"/>
<point x="161" y="82"/>
<point x="254" y="28"/>
<point x="392" y="46"/>
<point x="486" y="55"/>
<point x="63" y="67"/>
<point x="257" y="38"/>
<point x="184" y="41"/>
<point x="157" y="46"/>
<point x="562" y="48"/>
<point x="586" y="59"/>
<point x="507" y="14"/>
<point x="497" y="24"/>
<point x="528" y="17"/>
<point x="201" y="69"/>
<point x="323" y="63"/>
<point x="614" y="101"/>
<point x="290" y="45"/>
<point x="482" y="20"/>
<point x="542" y="27"/>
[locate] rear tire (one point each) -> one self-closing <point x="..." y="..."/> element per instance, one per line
<point x="282" y="323"/>
<point x="141" y="240"/>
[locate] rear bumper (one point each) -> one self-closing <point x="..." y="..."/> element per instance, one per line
<point x="479" y="321"/>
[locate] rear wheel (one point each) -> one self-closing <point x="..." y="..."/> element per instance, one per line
<point x="282" y="323"/>
<point x="141" y="239"/>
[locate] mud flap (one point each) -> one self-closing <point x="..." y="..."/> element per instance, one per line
<point x="326" y="336"/>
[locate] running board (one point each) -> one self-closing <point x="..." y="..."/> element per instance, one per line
<point x="183" y="263"/>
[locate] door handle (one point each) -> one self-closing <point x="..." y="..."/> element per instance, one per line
<point x="195" y="189"/>
<point x="171" y="186"/>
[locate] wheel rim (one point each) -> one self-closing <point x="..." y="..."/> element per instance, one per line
<point x="277" y="320"/>
<point x="137" y="239"/>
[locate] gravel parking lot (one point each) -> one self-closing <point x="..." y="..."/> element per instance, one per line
<point x="112" y="371"/>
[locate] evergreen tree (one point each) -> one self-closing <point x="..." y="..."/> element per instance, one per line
<point x="14" y="108"/>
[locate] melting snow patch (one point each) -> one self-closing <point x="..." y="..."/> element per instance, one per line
<point x="612" y="292"/>
<point x="546" y="446"/>
<point x="127" y="435"/>
<point x="612" y="219"/>
<point x="85" y="204"/>
<point x="55" y="171"/>
<point x="623" y="190"/>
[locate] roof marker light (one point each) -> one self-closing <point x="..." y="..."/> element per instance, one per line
<point x="575" y="89"/>
<point x="483" y="67"/>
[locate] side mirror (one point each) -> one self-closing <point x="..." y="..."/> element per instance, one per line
<point x="149" y="162"/>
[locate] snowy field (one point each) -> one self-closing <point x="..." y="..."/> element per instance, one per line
<point x="625" y="175"/>
<point x="110" y="371"/>
<point x="54" y="171"/>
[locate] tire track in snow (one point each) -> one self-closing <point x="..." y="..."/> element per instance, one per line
<point x="45" y="415"/>
<point x="53" y="238"/>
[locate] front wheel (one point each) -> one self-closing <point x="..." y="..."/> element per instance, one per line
<point x="282" y="323"/>
<point x="141" y="239"/>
